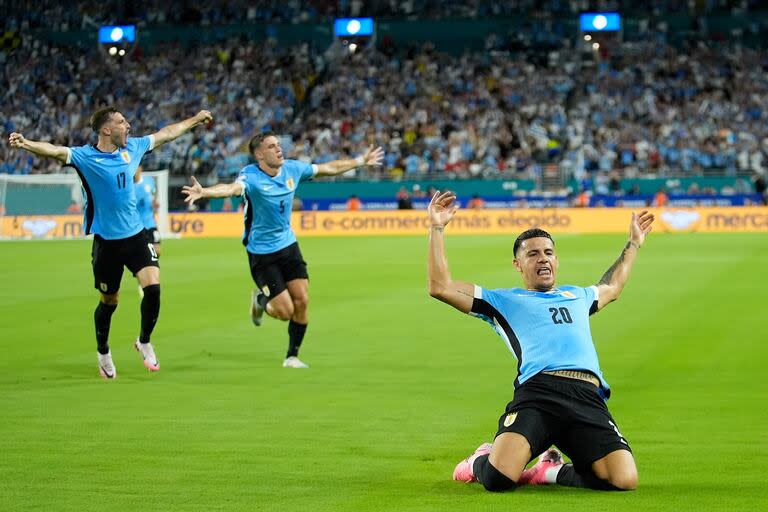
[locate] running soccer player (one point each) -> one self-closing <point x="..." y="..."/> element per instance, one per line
<point x="146" y="203"/>
<point x="106" y="170"/>
<point x="277" y="266"/>
<point x="560" y="392"/>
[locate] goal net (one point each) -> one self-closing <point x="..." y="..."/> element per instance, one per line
<point x="50" y="206"/>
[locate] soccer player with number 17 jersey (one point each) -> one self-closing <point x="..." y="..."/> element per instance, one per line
<point x="106" y="170"/>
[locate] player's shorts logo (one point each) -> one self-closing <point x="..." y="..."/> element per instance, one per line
<point x="510" y="419"/>
<point x="265" y="290"/>
<point x="289" y="183"/>
<point x="125" y="156"/>
<point x="103" y="287"/>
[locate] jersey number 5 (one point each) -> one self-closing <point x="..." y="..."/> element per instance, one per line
<point x="282" y="206"/>
<point x="563" y="314"/>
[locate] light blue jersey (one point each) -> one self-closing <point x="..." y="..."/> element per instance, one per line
<point x="145" y="198"/>
<point x="545" y="330"/>
<point x="107" y="179"/>
<point x="268" y="204"/>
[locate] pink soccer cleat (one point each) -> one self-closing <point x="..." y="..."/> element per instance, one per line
<point x="463" y="471"/>
<point x="537" y="475"/>
<point x="148" y="354"/>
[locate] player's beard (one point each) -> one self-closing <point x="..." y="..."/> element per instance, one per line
<point x="122" y="140"/>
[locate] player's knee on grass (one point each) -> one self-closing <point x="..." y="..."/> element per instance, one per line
<point x="617" y="470"/>
<point x="492" y="479"/>
<point x="624" y="480"/>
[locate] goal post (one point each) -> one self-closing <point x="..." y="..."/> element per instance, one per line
<point x="50" y="206"/>
<point x="161" y="195"/>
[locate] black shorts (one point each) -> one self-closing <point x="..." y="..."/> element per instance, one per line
<point x="153" y="235"/>
<point x="272" y="271"/>
<point x="108" y="257"/>
<point x="568" y="413"/>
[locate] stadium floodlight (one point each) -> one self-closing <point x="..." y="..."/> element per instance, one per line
<point x="117" y="41"/>
<point x="600" y="22"/>
<point x="353" y="27"/>
<point x="117" y="34"/>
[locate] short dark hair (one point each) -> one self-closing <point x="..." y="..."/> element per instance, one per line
<point x="257" y="139"/>
<point x="530" y="233"/>
<point x="101" y="116"/>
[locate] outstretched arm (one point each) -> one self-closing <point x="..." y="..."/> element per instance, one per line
<point x="44" y="149"/>
<point x="458" y="294"/>
<point x="197" y="191"/>
<point x="176" y="130"/>
<point x="612" y="283"/>
<point x="371" y="157"/>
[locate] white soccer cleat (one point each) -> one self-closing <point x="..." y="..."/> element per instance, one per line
<point x="106" y="366"/>
<point x="148" y="354"/>
<point x="257" y="312"/>
<point x="294" y="362"/>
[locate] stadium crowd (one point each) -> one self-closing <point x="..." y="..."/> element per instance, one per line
<point x="51" y="89"/>
<point x="644" y="106"/>
<point x="55" y="15"/>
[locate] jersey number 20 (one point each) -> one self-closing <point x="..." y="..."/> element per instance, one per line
<point x="560" y="315"/>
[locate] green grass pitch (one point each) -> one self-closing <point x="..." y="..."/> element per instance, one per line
<point x="401" y="386"/>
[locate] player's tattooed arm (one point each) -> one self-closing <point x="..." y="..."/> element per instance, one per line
<point x="464" y="292"/>
<point x="615" y="278"/>
<point x="608" y="276"/>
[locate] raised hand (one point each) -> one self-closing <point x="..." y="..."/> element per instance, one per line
<point x="442" y="208"/>
<point x="373" y="156"/>
<point x="204" y="117"/>
<point x="193" y="193"/>
<point x="640" y="226"/>
<point x="16" y="140"/>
